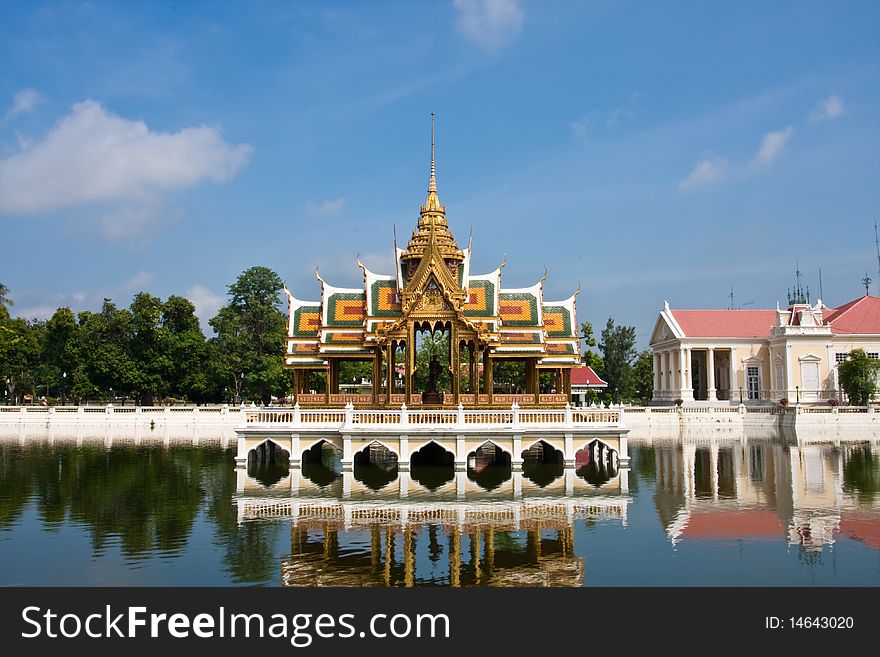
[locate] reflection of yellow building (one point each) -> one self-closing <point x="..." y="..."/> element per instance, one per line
<point x="760" y="355"/>
<point x="474" y="554"/>
<point x="762" y="491"/>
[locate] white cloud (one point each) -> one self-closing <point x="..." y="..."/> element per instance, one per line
<point x="325" y="209"/>
<point x="379" y="262"/>
<point x="23" y="102"/>
<point x="710" y="169"/>
<point x="79" y="297"/>
<point x="771" y="146"/>
<point x="35" y="312"/>
<point x="827" y="109"/>
<point x="489" y="24"/>
<point x="137" y="282"/>
<point x="94" y="156"/>
<point x="206" y="302"/>
<point x="598" y="119"/>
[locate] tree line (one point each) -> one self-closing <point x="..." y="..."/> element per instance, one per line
<point x="152" y="351"/>
<point x="155" y="351"/>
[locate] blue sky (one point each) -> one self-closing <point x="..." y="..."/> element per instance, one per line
<point x="650" y="150"/>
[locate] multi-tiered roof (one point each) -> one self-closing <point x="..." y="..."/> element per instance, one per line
<point x="432" y="281"/>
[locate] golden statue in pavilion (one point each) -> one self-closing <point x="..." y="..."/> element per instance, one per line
<point x="433" y="290"/>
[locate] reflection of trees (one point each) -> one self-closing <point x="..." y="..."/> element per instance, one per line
<point x="144" y="498"/>
<point x="861" y="473"/>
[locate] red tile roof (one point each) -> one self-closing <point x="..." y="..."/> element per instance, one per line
<point x="725" y="323"/>
<point x="861" y="527"/>
<point x="861" y="316"/>
<point x="858" y="317"/>
<point x="733" y="524"/>
<point x="585" y="376"/>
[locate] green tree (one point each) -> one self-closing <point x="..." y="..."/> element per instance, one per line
<point x="60" y="350"/>
<point x="858" y="377"/>
<point x="643" y="376"/>
<point x="251" y="331"/>
<point x="185" y="348"/>
<point x="19" y="356"/>
<point x="105" y="343"/>
<point x="148" y="348"/>
<point x="618" y="347"/>
<point x="432" y="345"/>
<point x="5" y="302"/>
<point x="592" y="359"/>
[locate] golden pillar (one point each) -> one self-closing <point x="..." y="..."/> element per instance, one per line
<point x="456" y="364"/>
<point x="297" y="385"/>
<point x="475" y="554"/>
<point x="410" y="356"/>
<point x="409" y="557"/>
<point x="327" y="386"/>
<point x="566" y="379"/>
<point x="455" y="557"/>
<point x="375" y="542"/>
<point x="490" y="551"/>
<point x="490" y="384"/>
<point x="472" y="374"/>
<point x="389" y="371"/>
<point x="377" y="373"/>
<point x="536" y="380"/>
<point x="389" y="554"/>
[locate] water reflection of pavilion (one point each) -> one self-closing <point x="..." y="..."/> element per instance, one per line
<point x="344" y="533"/>
<point x="762" y="490"/>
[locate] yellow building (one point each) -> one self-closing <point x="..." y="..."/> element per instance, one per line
<point x="760" y="355"/>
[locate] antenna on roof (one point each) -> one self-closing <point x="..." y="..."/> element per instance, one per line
<point x="866" y="281"/>
<point x="877" y="244"/>
<point x="730" y="296"/>
<point x="821" y="292"/>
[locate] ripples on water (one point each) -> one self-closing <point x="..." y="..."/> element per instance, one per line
<point x="759" y="513"/>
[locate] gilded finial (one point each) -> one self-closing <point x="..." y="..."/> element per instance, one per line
<point x="432" y="185"/>
<point x="503" y="262"/>
<point x="578" y="291"/>
<point x="432" y="204"/>
<point x="544" y="277"/>
<point x="359" y="263"/>
<point x="318" y="276"/>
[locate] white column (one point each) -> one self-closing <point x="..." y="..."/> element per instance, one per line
<point x="733" y="374"/>
<point x="347" y="455"/>
<point x="710" y="371"/>
<point x="682" y="373"/>
<point x="666" y="369"/>
<point x="713" y="460"/>
<point x="788" y="386"/>
<point x="516" y="459"/>
<point x="656" y="375"/>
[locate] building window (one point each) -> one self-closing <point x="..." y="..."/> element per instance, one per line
<point x="753" y="381"/>
<point x="873" y="354"/>
<point x="840" y="356"/>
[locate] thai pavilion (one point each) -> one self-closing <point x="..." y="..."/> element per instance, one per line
<point x="434" y="290"/>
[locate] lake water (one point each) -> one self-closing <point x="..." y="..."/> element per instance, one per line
<point x="757" y="513"/>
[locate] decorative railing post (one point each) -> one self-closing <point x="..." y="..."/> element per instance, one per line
<point x="349" y="415"/>
<point x="460" y="415"/>
<point x="569" y="419"/>
<point x="404" y="416"/>
<point x="514" y="407"/>
<point x="297" y="414"/>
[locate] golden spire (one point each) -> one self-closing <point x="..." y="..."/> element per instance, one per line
<point x="432" y="185"/>
<point x="432" y="206"/>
